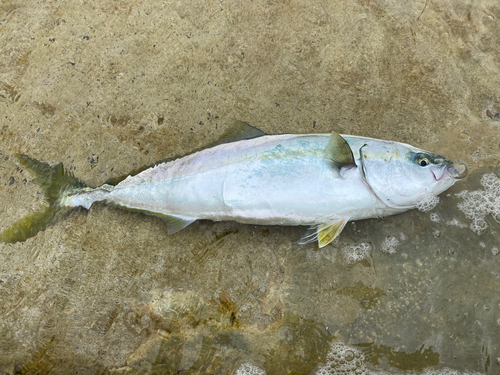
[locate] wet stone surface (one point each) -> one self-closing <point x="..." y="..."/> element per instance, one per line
<point x="108" y="88"/>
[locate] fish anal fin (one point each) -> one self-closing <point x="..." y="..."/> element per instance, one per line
<point x="339" y="152"/>
<point x="176" y="223"/>
<point x="239" y="131"/>
<point x="329" y="231"/>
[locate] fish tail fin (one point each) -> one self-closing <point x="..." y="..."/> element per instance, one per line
<point x="54" y="182"/>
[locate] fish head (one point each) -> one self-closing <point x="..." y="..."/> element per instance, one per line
<point x="403" y="176"/>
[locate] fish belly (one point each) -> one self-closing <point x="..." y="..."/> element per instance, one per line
<point x="277" y="180"/>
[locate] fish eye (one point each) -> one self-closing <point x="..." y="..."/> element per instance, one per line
<point x="423" y="162"/>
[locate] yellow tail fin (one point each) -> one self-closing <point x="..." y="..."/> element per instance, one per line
<point x="53" y="181"/>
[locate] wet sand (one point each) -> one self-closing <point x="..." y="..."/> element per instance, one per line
<point x="110" y="87"/>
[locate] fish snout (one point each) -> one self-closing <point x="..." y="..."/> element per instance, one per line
<point x="458" y="171"/>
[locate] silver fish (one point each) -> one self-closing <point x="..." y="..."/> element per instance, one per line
<point x="319" y="180"/>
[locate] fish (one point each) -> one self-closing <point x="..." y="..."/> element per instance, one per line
<point x="322" y="181"/>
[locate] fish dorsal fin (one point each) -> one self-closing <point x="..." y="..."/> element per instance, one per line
<point x="176" y="223"/>
<point x="239" y="131"/>
<point x="339" y="152"/>
<point x="324" y="233"/>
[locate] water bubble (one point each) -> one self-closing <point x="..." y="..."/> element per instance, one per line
<point x="435" y="217"/>
<point x="346" y="360"/>
<point x="479" y="203"/>
<point x="390" y="245"/>
<point x="249" y="369"/>
<point x="427" y="202"/>
<point x="479" y="225"/>
<point x="355" y="253"/>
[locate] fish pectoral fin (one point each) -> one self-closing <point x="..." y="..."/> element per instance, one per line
<point x="176" y="223"/>
<point x="239" y="131"/>
<point x="324" y="233"/>
<point x="339" y="152"/>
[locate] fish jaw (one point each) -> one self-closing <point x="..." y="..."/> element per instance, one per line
<point x="440" y="172"/>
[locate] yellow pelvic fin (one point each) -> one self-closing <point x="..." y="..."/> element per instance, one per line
<point x="328" y="232"/>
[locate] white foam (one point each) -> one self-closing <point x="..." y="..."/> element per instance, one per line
<point x="343" y="359"/>
<point x="479" y="203"/>
<point x="435" y="217"/>
<point x="456" y="223"/>
<point x="449" y="371"/>
<point x="347" y="360"/>
<point x="389" y="245"/>
<point x="249" y="369"/>
<point x="495" y="250"/>
<point x="355" y="253"/>
<point x="427" y="202"/>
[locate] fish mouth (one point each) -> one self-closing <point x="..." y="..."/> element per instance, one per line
<point x="457" y="172"/>
<point x="441" y="171"/>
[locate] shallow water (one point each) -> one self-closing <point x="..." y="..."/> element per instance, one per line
<point x="107" y="88"/>
<point x="411" y="292"/>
